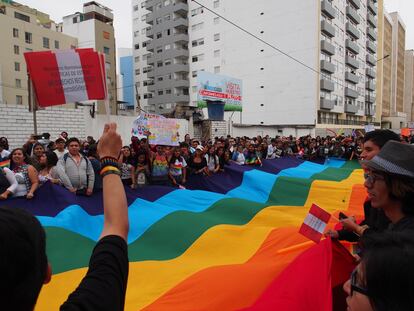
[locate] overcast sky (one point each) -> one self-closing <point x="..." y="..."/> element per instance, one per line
<point x="123" y="19"/>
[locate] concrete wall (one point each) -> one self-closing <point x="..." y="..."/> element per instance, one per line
<point x="16" y="123"/>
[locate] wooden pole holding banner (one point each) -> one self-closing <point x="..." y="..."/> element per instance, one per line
<point x="32" y="103"/>
<point x="105" y="84"/>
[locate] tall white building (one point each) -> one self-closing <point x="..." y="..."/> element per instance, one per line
<point x="174" y="40"/>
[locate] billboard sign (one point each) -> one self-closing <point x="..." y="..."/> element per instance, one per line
<point x="213" y="87"/>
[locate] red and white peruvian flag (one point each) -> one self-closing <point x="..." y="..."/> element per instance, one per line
<point x="315" y="223"/>
<point x="66" y="76"/>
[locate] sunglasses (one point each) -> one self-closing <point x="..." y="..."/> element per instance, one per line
<point x="372" y="177"/>
<point x="355" y="287"/>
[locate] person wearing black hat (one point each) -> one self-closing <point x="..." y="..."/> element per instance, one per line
<point x="389" y="180"/>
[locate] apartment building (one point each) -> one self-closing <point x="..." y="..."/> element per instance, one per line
<point x="335" y="41"/>
<point x="393" y="115"/>
<point x="409" y="86"/>
<point x="24" y="29"/>
<point x="94" y="29"/>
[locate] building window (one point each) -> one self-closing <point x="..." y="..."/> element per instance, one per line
<point x="197" y="11"/>
<point x="158" y="20"/>
<point x="160" y="92"/>
<point x="160" y="78"/>
<point x="159" y="64"/>
<point x="57" y="45"/>
<point x="168" y="91"/>
<point x="216" y="4"/>
<point x="159" y="49"/>
<point x="136" y="46"/>
<point x="197" y="42"/>
<point x="106" y="50"/>
<point x="167" y="32"/>
<point x="137" y="72"/>
<point x="216" y="37"/>
<point x="16" y="66"/>
<point x="136" y="59"/>
<point x="147" y="95"/>
<point x="217" y="53"/>
<point x="18" y="83"/>
<point x="28" y="37"/>
<point x="136" y="7"/>
<point x="19" y="100"/>
<point x="194" y="74"/>
<point x="216" y="20"/>
<point x="159" y="35"/>
<point x="75" y="20"/>
<point x="22" y="17"/>
<point x="16" y="50"/>
<point x="197" y="26"/>
<point x="46" y="43"/>
<point x="167" y="47"/>
<point x="217" y="69"/>
<point x="15" y="33"/>
<point x="197" y="58"/>
<point x="167" y="62"/>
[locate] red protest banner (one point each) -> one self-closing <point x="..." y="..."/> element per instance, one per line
<point x="69" y="76"/>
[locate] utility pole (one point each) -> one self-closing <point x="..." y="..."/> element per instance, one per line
<point x="32" y="103"/>
<point x="137" y="99"/>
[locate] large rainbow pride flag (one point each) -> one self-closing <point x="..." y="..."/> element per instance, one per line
<point x="231" y="244"/>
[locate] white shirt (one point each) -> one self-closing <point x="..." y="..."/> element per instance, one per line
<point x="60" y="154"/>
<point x="4" y="154"/>
<point x="11" y="179"/>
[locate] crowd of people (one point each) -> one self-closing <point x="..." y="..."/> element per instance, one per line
<point x="382" y="280"/>
<point x="75" y="164"/>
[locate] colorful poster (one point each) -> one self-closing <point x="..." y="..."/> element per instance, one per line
<point x="68" y="76"/>
<point x="140" y="125"/>
<point x="163" y="131"/>
<point x="219" y="88"/>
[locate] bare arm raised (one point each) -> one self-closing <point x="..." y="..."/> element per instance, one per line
<point x="114" y="198"/>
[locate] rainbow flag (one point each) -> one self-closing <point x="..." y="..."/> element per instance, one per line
<point x="5" y="163"/>
<point x="232" y="244"/>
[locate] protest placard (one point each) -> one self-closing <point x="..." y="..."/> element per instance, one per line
<point x="140" y="124"/>
<point x="163" y="132"/>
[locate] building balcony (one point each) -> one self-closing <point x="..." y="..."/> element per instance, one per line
<point x="355" y="3"/>
<point x="371" y="46"/>
<point x="349" y="108"/>
<point x="181" y="98"/>
<point x="371" y="7"/>
<point x="369" y="99"/>
<point x="149" y="32"/>
<point x="328" y="9"/>
<point x="180" y="38"/>
<point x="180" y="8"/>
<point x="371" y="60"/>
<point x="327" y="104"/>
<point x="180" y="23"/>
<point x="327" y="47"/>
<point x="371" y="73"/>
<point x="350" y="77"/>
<point x="352" y="30"/>
<point x="372" y="33"/>
<point x="327" y="66"/>
<point x="370" y="85"/>
<point x="353" y="15"/>
<point x="372" y="20"/>
<point x="351" y="93"/>
<point x="180" y="68"/>
<point x="351" y="62"/>
<point x="149" y="5"/>
<point x="327" y="29"/>
<point x="158" y="100"/>
<point x="173" y="53"/>
<point x="352" y="46"/>
<point x="179" y="83"/>
<point x="327" y="85"/>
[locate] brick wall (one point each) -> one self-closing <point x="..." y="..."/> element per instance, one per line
<point x="16" y="123"/>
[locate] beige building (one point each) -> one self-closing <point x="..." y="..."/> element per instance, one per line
<point x="392" y="91"/>
<point x="94" y="29"/>
<point x="24" y="29"/>
<point x="409" y="85"/>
